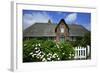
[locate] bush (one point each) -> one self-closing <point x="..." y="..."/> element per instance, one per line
<point x="86" y="39"/>
<point x="38" y="50"/>
<point x="67" y="51"/>
<point x="82" y="41"/>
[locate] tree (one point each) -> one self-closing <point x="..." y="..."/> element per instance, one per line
<point x="86" y="39"/>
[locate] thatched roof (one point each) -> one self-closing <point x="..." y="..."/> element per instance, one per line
<point x="47" y="29"/>
<point x="40" y="29"/>
<point x="77" y="30"/>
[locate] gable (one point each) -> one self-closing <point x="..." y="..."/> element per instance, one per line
<point x="61" y="24"/>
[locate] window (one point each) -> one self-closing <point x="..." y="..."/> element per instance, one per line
<point x="62" y="30"/>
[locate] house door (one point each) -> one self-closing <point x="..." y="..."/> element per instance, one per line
<point x="62" y="38"/>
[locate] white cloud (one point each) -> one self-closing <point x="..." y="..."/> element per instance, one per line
<point x="29" y="19"/>
<point x="71" y="18"/>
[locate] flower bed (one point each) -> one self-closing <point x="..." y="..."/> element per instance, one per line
<point x="40" y="51"/>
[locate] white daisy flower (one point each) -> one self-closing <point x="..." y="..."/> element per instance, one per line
<point x="57" y="55"/>
<point x="63" y="53"/>
<point x="69" y="57"/>
<point x="54" y="56"/>
<point x="34" y="54"/>
<point x="31" y="53"/>
<point x="36" y="45"/>
<point x="25" y="44"/>
<point x="38" y="57"/>
<point x="72" y="54"/>
<point x="37" y="51"/>
<point x="43" y="53"/>
<point x="58" y="58"/>
<point x="36" y="48"/>
<point x="44" y="59"/>
<point x="33" y="45"/>
<point x="39" y="44"/>
<point x="48" y="58"/>
<point x="42" y="56"/>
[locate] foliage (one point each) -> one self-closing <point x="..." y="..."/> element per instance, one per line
<point x="82" y="41"/>
<point x="86" y="39"/>
<point x="67" y="51"/>
<point x="77" y="42"/>
<point x="38" y="50"/>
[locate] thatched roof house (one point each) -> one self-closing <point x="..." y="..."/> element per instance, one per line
<point x="56" y="31"/>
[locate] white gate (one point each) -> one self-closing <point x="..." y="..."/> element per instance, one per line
<point x="81" y="52"/>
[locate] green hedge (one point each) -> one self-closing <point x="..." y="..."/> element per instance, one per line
<point x="38" y="50"/>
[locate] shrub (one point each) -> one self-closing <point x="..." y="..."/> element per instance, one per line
<point x="67" y="51"/>
<point x="86" y="40"/>
<point x="38" y="50"/>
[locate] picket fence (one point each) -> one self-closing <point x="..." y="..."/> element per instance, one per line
<point x="82" y="52"/>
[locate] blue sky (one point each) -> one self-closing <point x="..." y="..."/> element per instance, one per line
<point x="31" y="16"/>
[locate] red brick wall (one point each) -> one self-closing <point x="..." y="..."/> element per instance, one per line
<point x="58" y="32"/>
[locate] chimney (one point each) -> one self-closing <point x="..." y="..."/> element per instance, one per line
<point x="49" y="22"/>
